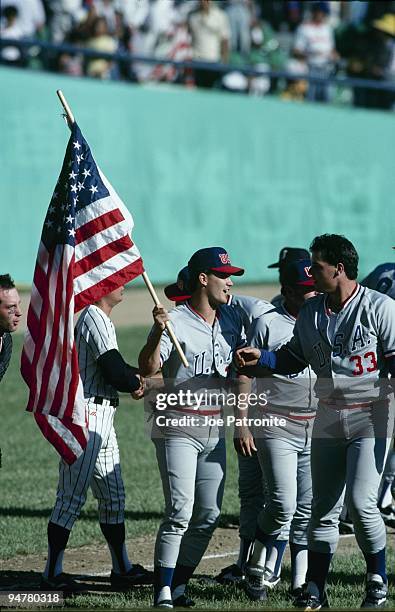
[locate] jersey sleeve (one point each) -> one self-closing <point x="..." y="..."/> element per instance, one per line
<point x="300" y="43"/>
<point x="295" y="346"/>
<point x="386" y="326"/>
<point x="166" y="346"/>
<point x="258" y="334"/>
<point x="98" y="332"/>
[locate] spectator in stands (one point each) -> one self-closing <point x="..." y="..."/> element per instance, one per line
<point x="370" y="54"/>
<point x="314" y="45"/>
<point x="31" y="15"/>
<point x="101" y="41"/>
<point x="11" y="29"/>
<point x="210" y="35"/>
<point x="63" y="17"/>
<point x="240" y="14"/>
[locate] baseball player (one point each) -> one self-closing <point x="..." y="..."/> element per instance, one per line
<point x="10" y="315"/>
<point x="251" y="485"/>
<point x="287" y="255"/>
<point x="347" y="335"/>
<point x="103" y="372"/>
<point x="283" y="452"/>
<point x="192" y="460"/>
<point x="382" y="279"/>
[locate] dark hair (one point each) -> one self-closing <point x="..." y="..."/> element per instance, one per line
<point x="10" y="11"/>
<point x="335" y="249"/>
<point x="6" y="282"/>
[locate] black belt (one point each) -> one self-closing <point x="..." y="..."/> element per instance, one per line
<point x="113" y="401"/>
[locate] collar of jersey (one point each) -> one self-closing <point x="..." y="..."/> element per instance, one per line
<point x="217" y="313"/>
<point x="346" y="302"/>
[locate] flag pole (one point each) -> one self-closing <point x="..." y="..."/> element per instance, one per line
<point x="70" y="120"/>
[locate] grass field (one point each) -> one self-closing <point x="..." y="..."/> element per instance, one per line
<point x="28" y="480"/>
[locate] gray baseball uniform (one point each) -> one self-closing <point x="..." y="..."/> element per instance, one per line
<point x="284" y="452"/>
<point x="99" y="466"/>
<point x="348" y="351"/>
<point x="192" y="466"/>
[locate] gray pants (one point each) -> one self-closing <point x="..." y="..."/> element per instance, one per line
<point x="193" y="477"/>
<point x="348" y="454"/>
<point x="285" y="459"/>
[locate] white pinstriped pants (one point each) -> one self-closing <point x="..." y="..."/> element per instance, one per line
<point x="99" y="468"/>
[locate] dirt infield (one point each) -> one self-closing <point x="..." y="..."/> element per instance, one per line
<point x="137" y="304"/>
<point x="93" y="562"/>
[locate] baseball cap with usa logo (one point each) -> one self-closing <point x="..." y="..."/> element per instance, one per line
<point x="213" y="259"/>
<point x="297" y="273"/>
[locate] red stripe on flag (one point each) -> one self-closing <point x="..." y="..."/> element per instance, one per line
<point x="98" y="225"/>
<point x="110" y="283"/>
<point x="98" y="257"/>
<point x="50" y="360"/>
<point x="41" y="333"/>
<point x="53" y="437"/>
<point x="65" y="347"/>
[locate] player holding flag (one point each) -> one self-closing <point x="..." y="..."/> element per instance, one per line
<point x="85" y="258"/>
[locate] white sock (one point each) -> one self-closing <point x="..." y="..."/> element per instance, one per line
<point x="115" y="563"/>
<point x="258" y="556"/>
<point x="374" y="578"/>
<point x="58" y="565"/>
<point x="164" y="593"/>
<point x="244" y="551"/>
<point x="178" y="591"/>
<point x="299" y="569"/>
<point x="271" y="558"/>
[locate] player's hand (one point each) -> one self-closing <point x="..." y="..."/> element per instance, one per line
<point x="160" y="317"/>
<point x="247" y="356"/>
<point x="243" y="441"/>
<point x="139" y="393"/>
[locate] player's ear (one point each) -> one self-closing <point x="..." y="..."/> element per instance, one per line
<point x="340" y="269"/>
<point x="203" y="278"/>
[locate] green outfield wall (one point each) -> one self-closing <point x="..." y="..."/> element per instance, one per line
<point x="199" y="169"/>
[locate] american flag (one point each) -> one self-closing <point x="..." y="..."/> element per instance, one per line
<point x="85" y="252"/>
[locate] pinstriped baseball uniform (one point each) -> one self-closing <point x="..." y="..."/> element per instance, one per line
<point x="284" y="453"/>
<point x="192" y="467"/>
<point x="5" y="352"/>
<point x="99" y="465"/>
<point x="347" y="350"/>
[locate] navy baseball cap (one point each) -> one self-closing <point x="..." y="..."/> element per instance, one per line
<point x="288" y="254"/>
<point x="297" y="273"/>
<point x="214" y="259"/>
<point x="179" y="291"/>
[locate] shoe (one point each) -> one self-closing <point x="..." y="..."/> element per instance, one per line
<point x="376" y="594"/>
<point x="254" y="585"/>
<point x="135" y="576"/>
<point x="165" y="603"/>
<point x="63" y="583"/>
<point x="309" y="599"/>
<point x="270" y="580"/>
<point x="230" y="575"/>
<point x="346" y="527"/>
<point x="183" y="602"/>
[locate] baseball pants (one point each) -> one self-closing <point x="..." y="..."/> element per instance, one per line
<point x="251" y="494"/>
<point x="98" y="467"/>
<point x="348" y="454"/>
<point x="284" y="455"/>
<point x="193" y="477"/>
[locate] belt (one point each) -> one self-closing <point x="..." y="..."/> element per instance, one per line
<point x="110" y="401"/>
<point x="341" y="405"/>
<point x="290" y="414"/>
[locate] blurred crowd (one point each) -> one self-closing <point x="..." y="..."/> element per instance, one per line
<point x="302" y="39"/>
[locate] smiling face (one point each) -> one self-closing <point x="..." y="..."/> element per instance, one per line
<point x="10" y="310"/>
<point x="218" y="285"/>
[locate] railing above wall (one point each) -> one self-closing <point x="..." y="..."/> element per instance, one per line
<point x="32" y="48"/>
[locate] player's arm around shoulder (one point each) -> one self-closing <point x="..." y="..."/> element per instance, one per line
<point x="150" y="354"/>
